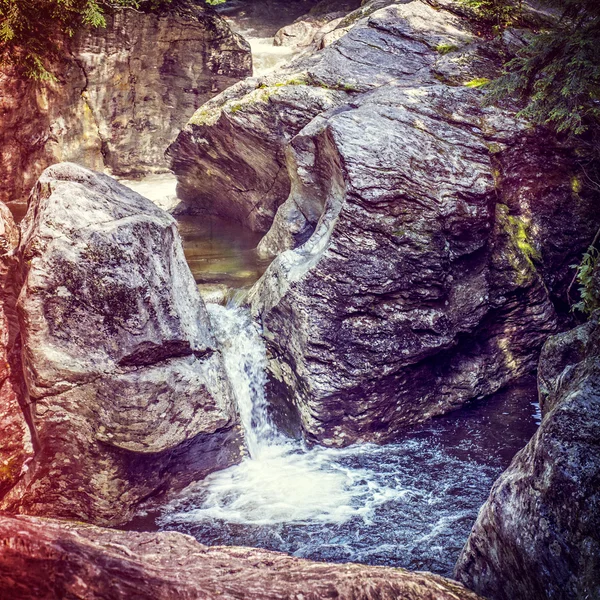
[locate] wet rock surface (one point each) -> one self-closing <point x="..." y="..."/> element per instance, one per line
<point x="46" y="559"/>
<point x="122" y="94"/>
<point x="538" y="536"/>
<point x="126" y="390"/>
<point x="541" y="185"/>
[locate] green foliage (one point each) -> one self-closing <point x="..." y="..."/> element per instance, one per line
<point x="29" y="29"/>
<point x="499" y="14"/>
<point x="446" y="48"/>
<point x="557" y="74"/>
<point x="587" y="275"/>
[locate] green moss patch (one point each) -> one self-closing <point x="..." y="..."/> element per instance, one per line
<point x="446" y="48"/>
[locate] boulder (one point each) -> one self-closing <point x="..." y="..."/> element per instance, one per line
<point x="127" y="392"/>
<point x="16" y="449"/>
<point x="538" y="534"/>
<point x="43" y="559"/>
<point x="308" y="30"/>
<point x="411" y="295"/>
<point x="414" y="242"/>
<point x="122" y="94"/>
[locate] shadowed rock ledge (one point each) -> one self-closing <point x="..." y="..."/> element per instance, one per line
<point x="43" y="559"/>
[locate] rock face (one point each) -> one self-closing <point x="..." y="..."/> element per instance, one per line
<point x="44" y="559"/>
<point x="123" y="94"/>
<point x="538" y="535"/>
<point x="311" y="29"/>
<point x="230" y="160"/>
<point x="308" y="31"/>
<point x="126" y="391"/>
<point x="15" y="442"/>
<point x="561" y="216"/>
<point x="410" y="251"/>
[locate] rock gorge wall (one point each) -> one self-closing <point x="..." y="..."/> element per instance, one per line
<point x="123" y="386"/>
<point x="44" y="559"/>
<point x="121" y="96"/>
<point x="16" y="449"/>
<point x="417" y="234"/>
<point x="538" y="535"/>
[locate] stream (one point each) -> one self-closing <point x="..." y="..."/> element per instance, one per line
<point x="409" y="504"/>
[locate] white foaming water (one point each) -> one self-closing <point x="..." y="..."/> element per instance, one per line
<point x="160" y="188"/>
<point x="280" y="481"/>
<point x="245" y="362"/>
<point x="266" y="57"/>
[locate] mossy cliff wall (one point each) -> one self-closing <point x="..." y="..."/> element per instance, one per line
<point x="121" y="96"/>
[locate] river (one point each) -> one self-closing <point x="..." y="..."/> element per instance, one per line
<point x="408" y="504"/>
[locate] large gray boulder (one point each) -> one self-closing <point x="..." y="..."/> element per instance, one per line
<point x="415" y="248"/>
<point x="538" y="535"/>
<point x="126" y="390"/>
<point x="122" y="95"/>
<point x="43" y="559"/>
<point x="412" y="294"/>
<point x="16" y="449"/>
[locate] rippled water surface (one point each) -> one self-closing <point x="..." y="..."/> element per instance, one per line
<point x="409" y="504"/>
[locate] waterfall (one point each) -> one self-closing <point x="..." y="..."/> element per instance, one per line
<point x="268" y="57"/>
<point x="410" y="504"/>
<point x="280" y="481"/>
<point x="245" y="360"/>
